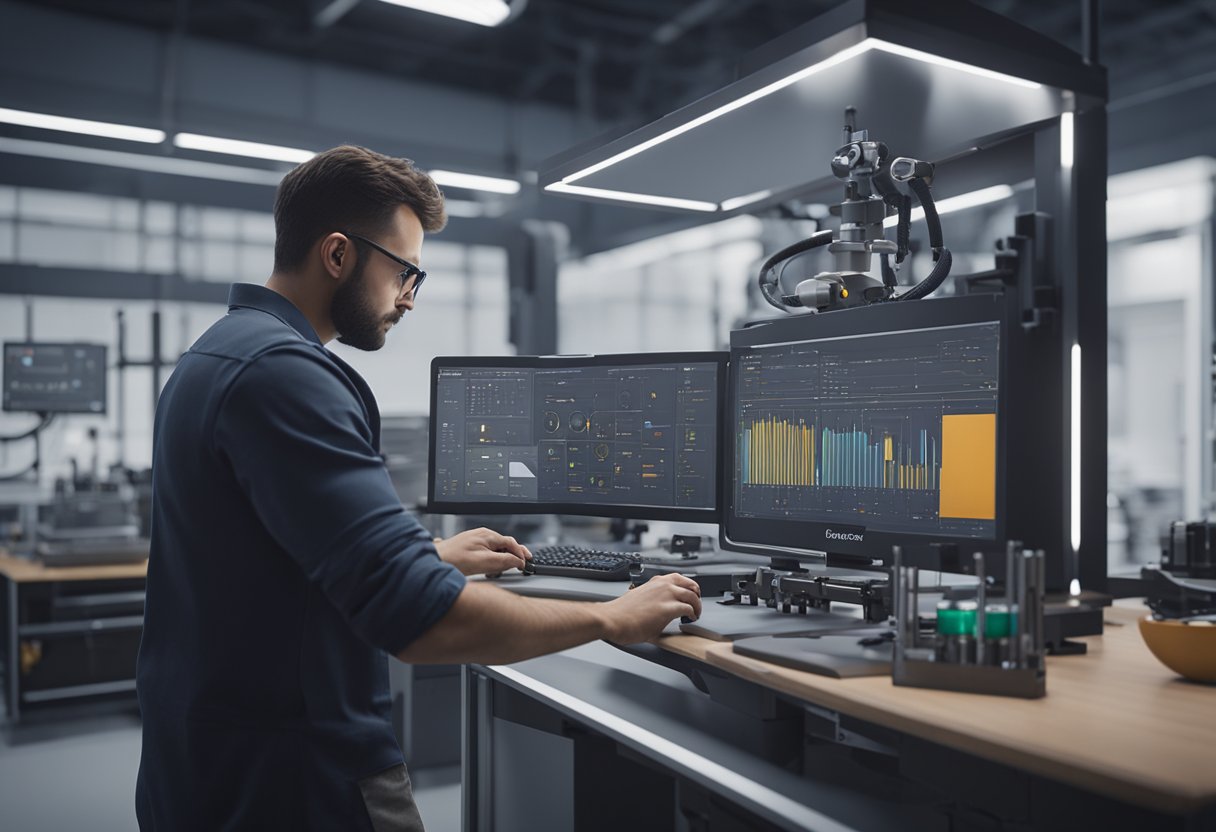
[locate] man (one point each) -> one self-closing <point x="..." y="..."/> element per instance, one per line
<point x="284" y="567"/>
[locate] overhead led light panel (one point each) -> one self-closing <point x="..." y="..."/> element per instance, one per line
<point x="481" y="12"/>
<point x="930" y="91"/>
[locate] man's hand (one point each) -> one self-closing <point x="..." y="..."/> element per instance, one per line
<point x="482" y="551"/>
<point x="642" y="613"/>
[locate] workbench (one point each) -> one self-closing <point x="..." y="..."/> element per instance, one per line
<point x="684" y="727"/>
<point x="69" y="633"/>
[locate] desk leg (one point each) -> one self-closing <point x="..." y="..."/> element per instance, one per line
<point x="477" y="757"/>
<point x="12" y="667"/>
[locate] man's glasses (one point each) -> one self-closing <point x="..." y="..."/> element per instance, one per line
<point x="408" y="269"/>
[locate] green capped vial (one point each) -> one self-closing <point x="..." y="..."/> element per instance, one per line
<point x="999" y="625"/>
<point x="956" y="631"/>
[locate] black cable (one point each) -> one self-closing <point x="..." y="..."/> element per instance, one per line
<point x="941" y="254"/>
<point x="939" y="273"/>
<point x="932" y="221"/>
<point x="888" y="274"/>
<point x="45" y="422"/>
<point x="33" y="466"/>
<point x="902" y="228"/>
<point x="820" y="238"/>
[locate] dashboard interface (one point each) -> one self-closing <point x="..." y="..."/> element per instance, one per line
<point x="641" y="431"/>
<point x="893" y="431"/>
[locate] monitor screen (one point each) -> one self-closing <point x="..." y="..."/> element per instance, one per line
<point x="620" y="435"/>
<point x="55" y="378"/>
<point x="854" y="431"/>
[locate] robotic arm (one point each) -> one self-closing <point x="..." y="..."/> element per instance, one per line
<point x="870" y="189"/>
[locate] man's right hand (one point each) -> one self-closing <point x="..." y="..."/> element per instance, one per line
<point x="642" y="613"/>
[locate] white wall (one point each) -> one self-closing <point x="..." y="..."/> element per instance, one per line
<point x="462" y="310"/>
<point x="679" y="292"/>
<point x="1160" y="338"/>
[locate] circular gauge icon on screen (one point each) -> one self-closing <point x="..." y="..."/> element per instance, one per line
<point x="578" y="421"/>
<point x="601" y="451"/>
<point x="553" y="422"/>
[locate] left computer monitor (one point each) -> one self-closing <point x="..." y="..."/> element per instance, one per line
<point x="55" y="378"/>
<point x="616" y="435"/>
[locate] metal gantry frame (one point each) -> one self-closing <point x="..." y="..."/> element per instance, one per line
<point x="1058" y="140"/>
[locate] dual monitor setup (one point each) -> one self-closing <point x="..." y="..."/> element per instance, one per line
<point x="844" y="433"/>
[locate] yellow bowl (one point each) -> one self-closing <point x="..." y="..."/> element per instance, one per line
<point x="1187" y="649"/>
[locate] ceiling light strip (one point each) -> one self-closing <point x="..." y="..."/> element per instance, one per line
<point x="625" y="196"/>
<point x="481" y="12"/>
<point x="63" y="124"/>
<point x="237" y="147"/>
<point x="139" y="161"/>
<point x="471" y="181"/>
<point x="746" y="199"/>
<point x="962" y="202"/>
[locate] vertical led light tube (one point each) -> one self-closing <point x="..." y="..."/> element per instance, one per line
<point x="1066" y="141"/>
<point x="1075" y="451"/>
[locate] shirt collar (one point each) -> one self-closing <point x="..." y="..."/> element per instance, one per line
<point x="252" y="296"/>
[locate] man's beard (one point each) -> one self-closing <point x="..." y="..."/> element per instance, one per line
<point x="354" y="316"/>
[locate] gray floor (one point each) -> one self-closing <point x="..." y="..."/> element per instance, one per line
<point x="79" y="773"/>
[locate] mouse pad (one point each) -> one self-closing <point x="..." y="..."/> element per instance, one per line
<point x="839" y="656"/>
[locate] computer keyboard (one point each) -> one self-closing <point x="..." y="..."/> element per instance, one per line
<point x="582" y="562"/>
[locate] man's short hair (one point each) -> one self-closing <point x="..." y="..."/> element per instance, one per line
<point x="348" y="188"/>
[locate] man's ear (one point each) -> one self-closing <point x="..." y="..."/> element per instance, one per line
<point x="335" y="251"/>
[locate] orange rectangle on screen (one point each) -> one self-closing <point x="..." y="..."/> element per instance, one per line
<point x="968" y="486"/>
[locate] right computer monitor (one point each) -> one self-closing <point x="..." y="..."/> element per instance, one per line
<point x="853" y="431"/>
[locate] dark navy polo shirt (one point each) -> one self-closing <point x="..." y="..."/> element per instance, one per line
<point x="283" y="569"/>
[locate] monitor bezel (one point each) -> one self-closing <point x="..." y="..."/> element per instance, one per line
<point x="781" y="538"/>
<point x="629" y="511"/>
<point x="105" y="377"/>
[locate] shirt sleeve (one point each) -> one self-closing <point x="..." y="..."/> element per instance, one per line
<point x="298" y="440"/>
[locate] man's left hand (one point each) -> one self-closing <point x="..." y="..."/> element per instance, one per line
<point x="482" y="552"/>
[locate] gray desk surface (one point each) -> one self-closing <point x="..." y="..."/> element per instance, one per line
<point x="659" y="714"/>
<point x="718" y="622"/>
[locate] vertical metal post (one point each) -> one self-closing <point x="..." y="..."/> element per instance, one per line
<point x="1011" y="594"/>
<point x="1074" y="195"/>
<point x="468" y="749"/>
<point x="897" y="592"/>
<point x="1199" y="483"/>
<point x="13" y="663"/>
<point x="1027" y="609"/>
<point x="477" y="757"/>
<point x="156" y="359"/>
<point x="120" y="430"/>
<point x="532" y="277"/>
<point x="981" y="602"/>
<point x="470" y="299"/>
<point x="1090" y="18"/>
<point x="1090" y="315"/>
